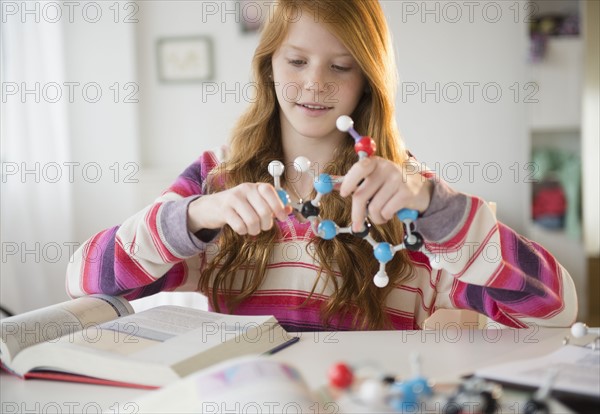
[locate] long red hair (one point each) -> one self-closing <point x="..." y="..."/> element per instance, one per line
<point x="256" y="140"/>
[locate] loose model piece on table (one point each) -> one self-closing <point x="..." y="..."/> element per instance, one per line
<point x="579" y="330"/>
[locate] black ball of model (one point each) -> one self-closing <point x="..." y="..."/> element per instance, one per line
<point x="309" y="210"/>
<point x="364" y="232"/>
<point x="413" y="241"/>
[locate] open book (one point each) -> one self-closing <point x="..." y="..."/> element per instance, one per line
<point x="99" y="339"/>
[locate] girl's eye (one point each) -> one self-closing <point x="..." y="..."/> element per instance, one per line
<point x="296" y="62"/>
<point x="340" y="68"/>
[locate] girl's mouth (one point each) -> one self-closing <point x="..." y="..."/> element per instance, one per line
<point x="313" y="108"/>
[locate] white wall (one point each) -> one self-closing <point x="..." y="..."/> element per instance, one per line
<point x="177" y="122"/>
<point x="476" y="142"/>
<point x="100" y="135"/>
<point x="105" y="136"/>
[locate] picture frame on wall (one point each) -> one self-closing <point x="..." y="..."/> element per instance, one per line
<point x="252" y="15"/>
<point x="185" y="59"/>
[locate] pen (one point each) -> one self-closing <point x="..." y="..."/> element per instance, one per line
<point x="284" y="345"/>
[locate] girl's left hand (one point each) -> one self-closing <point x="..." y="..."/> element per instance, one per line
<point x="380" y="188"/>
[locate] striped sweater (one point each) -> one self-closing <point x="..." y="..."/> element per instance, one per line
<point x="485" y="265"/>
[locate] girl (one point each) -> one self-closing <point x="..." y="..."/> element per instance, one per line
<point x="213" y="231"/>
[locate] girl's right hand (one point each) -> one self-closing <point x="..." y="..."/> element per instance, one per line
<point x="248" y="208"/>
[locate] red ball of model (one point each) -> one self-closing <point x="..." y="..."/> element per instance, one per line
<point x="365" y="144"/>
<point x="340" y="375"/>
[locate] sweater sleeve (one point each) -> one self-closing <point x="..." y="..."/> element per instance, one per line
<point x="486" y="266"/>
<point x="151" y="251"/>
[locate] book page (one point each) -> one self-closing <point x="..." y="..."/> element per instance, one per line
<point x="53" y="322"/>
<point x="578" y="370"/>
<point x="133" y="333"/>
<point x="209" y="331"/>
<point x="166" y="333"/>
<point x="162" y="323"/>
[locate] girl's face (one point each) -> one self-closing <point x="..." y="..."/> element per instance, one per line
<point x="316" y="80"/>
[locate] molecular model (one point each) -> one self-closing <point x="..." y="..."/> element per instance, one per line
<point x="327" y="229"/>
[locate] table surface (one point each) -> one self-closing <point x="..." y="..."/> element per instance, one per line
<point x="446" y="355"/>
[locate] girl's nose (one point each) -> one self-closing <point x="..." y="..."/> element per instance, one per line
<point x="315" y="80"/>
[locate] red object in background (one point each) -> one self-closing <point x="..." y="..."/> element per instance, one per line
<point x="549" y="201"/>
<point x="340" y="375"/>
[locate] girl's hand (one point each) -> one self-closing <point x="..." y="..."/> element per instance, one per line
<point x="380" y="188"/>
<point x="247" y="208"/>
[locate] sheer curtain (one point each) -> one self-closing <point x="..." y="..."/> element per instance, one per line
<point x="35" y="225"/>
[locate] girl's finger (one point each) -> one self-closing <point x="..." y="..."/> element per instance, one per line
<point x="233" y="219"/>
<point x="356" y="174"/>
<point x="262" y="209"/>
<point x="248" y="214"/>
<point x="381" y="204"/>
<point x="270" y="196"/>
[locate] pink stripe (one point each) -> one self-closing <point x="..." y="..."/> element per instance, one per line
<point x="293" y="265"/>
<point x="176" y="276"/>
<point x="477" y="252"/>
<point x="419" y="293"/>
<point x="128" y="272"/>
<point x="151" y="222"/>
<point x="92" y="263"/>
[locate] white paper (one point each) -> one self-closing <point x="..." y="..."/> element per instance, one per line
<point x="578" y="371"/>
